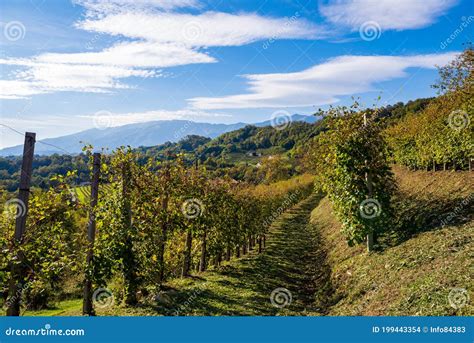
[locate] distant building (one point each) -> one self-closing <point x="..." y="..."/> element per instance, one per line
<point x="254" y="154"/>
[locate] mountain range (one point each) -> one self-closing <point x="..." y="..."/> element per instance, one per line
<point x="136" y="135"/>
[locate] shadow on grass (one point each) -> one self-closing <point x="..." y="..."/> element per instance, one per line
<point x="414" y="215"/>
<point x="293" y="259"/>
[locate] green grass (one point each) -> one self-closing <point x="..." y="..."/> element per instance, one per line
<point x="415" y="275"/>
<point x="63" y="308"/>
<point x="307" y="254"/>
<point x="243" y="286"/>
<point x="83" y="193"/>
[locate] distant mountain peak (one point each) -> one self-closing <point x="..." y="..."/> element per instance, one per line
<point x="136" y="135"/>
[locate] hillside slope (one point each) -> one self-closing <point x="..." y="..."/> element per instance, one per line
<point x="409" y="274"/>
<point x="136" y="135"/>
<point x="414" y="273"/>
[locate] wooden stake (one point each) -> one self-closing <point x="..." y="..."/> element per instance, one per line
<point x="368" y="179"/>
<point x="87" y="306"/>
<point x="17" y="270"/>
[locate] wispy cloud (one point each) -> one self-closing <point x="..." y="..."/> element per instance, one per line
<point x="119" y="119"/>
<point x="321" y="84"/>
<point x="153" y="37"/>
<point x="38" y="77"/>
<point x="203" y="30"/>
<point x="98" y="7"/>
<point x="389" y="14"/>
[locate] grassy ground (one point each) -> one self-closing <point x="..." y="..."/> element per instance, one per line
<point x="244" y="286"/>
<point x="83" y="193"/>
<point x="415" y="275"/>
<point x="425" y="255"/>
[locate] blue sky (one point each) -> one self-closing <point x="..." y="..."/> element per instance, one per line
<point x="67" y="65"/>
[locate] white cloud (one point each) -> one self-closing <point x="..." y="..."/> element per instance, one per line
<point x="202" y="30"/>
<point x="17" y="89"/>
<point x="133" y="55"/>
<point x="40" y="78"/>
<point x="119" y="119"/>
<point x="97" y="7"/>
<point x="389" y="14"/>
<point x="152" y="38"/>
<point x="321" y="84"/>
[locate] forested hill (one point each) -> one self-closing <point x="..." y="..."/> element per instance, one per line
<point x="107" y="136"/>
<point x="236" y="152"/>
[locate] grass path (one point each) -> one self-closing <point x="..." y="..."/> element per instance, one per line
<point x="291" y="260"/>
<point x="243" y="286"/>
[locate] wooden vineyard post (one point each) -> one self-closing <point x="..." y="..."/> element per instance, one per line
<point x="129" y="255"/>
<point x="368" y="179"/>
<point x="87" y="306"/>
<point x="17" y="270"/>
<point x="203" y="260"/>
<point x="187" y="253"/>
